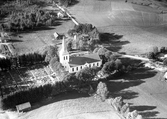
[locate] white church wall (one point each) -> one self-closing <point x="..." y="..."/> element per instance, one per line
<point x="78" y="68"/>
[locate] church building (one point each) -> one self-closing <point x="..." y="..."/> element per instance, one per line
<point x="75" y="61"/>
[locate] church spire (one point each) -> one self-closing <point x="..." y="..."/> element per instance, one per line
<point x="64" y="47"/>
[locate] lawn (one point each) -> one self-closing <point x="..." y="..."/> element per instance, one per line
<point x="70" y="106"/>
<point x="36" y="40"/>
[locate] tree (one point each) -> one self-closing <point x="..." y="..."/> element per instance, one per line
<point x="150" y="55"/>
<point x="113" y="57"/>
<point x="108" y="54"/>
<point x="155" y="50"/>
<point x="162" y="50"/>
<point x="69" y="46"/>
<point x="71" y="32"/>
<point x="109" y="67"/>
<point x="118" y="64"/>
<point x="53" y="61"/>
<point x="82" y="44"/>
<point x="96" y="50"/>
<point x="51" y="52"/>
<point x="102" y="91"/>
<point x="92" y="44"/>
<point x="165" y="62"/>
<point x="102" y="51"/>
<point x="85" y="75"/>
<point x="57" y="67"/>
<point x="71" y="80"/>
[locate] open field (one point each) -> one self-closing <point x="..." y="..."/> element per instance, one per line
<point x="37" y="40"/>
<point x="72" y="106"/>
<point x="150" y="100"/>
<point x="141" y="27"/>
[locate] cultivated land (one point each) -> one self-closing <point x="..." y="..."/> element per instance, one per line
<point x="142" y="27"/>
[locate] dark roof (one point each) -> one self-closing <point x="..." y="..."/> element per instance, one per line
<point x="81" y="60"/>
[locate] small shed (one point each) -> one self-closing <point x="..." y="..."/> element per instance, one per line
<point x="56" y="35"/>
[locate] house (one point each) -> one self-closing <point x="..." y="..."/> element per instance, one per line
<point x="74" y="62"/>
<point x="61" y="14"/>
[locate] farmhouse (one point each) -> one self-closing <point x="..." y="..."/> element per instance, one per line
<point x="75" y="61"/>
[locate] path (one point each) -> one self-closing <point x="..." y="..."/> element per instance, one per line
<point x="136" y="57"/>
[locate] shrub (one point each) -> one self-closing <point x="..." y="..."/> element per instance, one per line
<point x="102" y="90"/>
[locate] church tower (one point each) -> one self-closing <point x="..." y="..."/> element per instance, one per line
<point x="64" y="54"/>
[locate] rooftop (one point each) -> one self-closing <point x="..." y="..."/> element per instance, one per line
<point x="81" y="60"/>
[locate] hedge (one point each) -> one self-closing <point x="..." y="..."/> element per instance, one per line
<point x="34" y="94"/>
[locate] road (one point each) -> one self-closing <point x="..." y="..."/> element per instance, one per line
<point x="135" y="57"/>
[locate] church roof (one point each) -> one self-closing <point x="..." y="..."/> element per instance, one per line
<point x="81" y="60"/>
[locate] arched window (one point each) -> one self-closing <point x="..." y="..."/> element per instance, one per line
<point x="77" y="68"/>
<point x="72" y="69"/>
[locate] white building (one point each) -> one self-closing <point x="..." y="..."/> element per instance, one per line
<point x="74" y="62"/>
